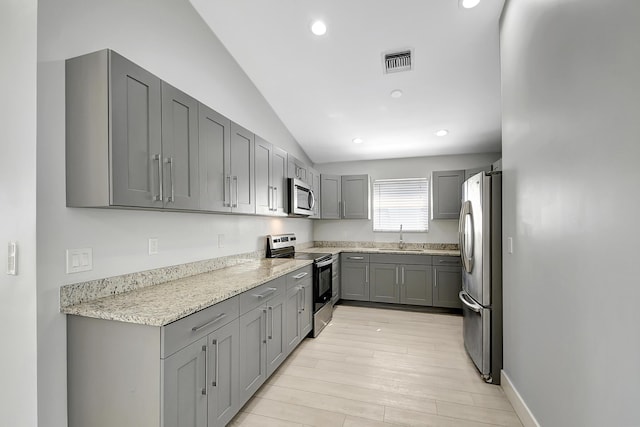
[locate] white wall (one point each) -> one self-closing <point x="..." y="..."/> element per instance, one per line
<point x="440" y="231"/>
<point x="18" y="43"/>
<point x="168" y="38"/>
<point x="571" y="151"/>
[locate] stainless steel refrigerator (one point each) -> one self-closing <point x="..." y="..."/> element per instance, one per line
<point x="480" y="234"/>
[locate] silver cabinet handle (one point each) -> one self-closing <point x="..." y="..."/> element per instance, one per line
<point x="271" y="333"/>
<point x="275" y="198"/>
<point x="227" y="186"/>
<point x="355" y="257"/>
<point x="204" y="389"/>
<point x="298" y="288"/>
<point x="214" y="383"/>
<point x="366" y="269"/>
<point x="172" y="197"/>
<point x="344" y="209"/>
<point x="403" y="275"/>
<point x="211" y="322"/>
<point x="267" y="293"/>
<point x="473" y="306"/>
<point x="263" y="315"/>
<point x="304" y="297"/>
<point x="160" y="196"/>
<point x="270" y="198"/>
<point x="300" y="276"/>
<point x="235" y="205"/>
<point x="447" y="261"/>
<point x="396" y="274"/>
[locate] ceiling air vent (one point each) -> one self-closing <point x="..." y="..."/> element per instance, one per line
<point x="395" y="62"/>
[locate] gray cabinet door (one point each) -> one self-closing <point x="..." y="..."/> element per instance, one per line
<point x="306" y="314"/>
<point x="355" y="197"/>
<point x="293" y="309"/>
<point x="385" y="283"/>
<point x="275" y="329"/>
<point x="447" y="283"/>
<point x="446" y="194"/>
<point x="242" y="170"/>
<point x="263" y="173"/>
<point x="252" y="352"/>
<point x="214" y="134"/>
<point x="180" y="149"/>
<point x="136" y="144"/>
<point x="330" y="196"/>
<point x="297" y="169"/>
<point x="354" y="281"/>
<point x="279" y="180"/>
<point x="416" y="288"/>
<point x="313" y="178"/>
<point x="185" y="387"/>
<point x="223" y="374"/>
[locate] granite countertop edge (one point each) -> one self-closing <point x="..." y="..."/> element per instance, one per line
<point x="165" y="303"/>
<point x="337" y="250"/>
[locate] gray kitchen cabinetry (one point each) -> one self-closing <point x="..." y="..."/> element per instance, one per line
<point x="356" y="190"/>
<point x="262" y="345"/>
<point x="354" y="281"/>
<point x="131" y="139"/>
<point x="447" y="281"/>
<point x="299" y="307"/>
<point x="403" y="279"/>
<point x="335" y="279"/>
<point x="446" y="194"/>
<point x="331" y="196"/>
<point x="241" y="171"/>
<point x="270" y="178"/>
<point x="297" y="169"/>
<point x="313" y="179"/>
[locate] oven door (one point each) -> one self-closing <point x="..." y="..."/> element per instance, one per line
<point x="322" y="279"/>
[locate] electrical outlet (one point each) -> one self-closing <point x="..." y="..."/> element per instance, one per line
<point x="153" y="246"/>
<point x="221" y="240"/>
<point x="79" y="260"/>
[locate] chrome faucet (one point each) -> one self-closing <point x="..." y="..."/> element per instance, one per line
<point x="401" y="242"/>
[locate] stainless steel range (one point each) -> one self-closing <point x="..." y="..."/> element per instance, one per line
<point x="283" y="246"/>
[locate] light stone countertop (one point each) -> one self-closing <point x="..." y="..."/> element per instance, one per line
<point x="337" y="250"/>
<point x="162" y="304"/>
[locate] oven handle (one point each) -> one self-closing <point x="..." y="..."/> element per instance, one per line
<point x="324" y="263"/>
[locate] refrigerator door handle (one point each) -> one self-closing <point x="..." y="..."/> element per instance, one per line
<point x="472" y="305"/>
<point x="467" y="259"/>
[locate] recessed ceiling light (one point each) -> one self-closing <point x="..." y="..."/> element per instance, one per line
<point x="396" y="93"/>
<point x="318" y="28"/>
<point x="442" y="132"/>
<point x="468" y="4"/>
<point x="358" y="140"/>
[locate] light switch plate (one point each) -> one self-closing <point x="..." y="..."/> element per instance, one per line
<point x="153" y="246"/>
<point x="12" y="259"/>
<point x="221" y="240"/>
<point x="79" y="260"/>
<point x="510" y="244"/>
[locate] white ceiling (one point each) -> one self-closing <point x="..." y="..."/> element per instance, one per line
<point x="328" y="90"/>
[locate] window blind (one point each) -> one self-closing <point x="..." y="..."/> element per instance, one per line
<point x="401" y="201"/>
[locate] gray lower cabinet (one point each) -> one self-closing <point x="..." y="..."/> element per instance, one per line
<point x="330" y="196"/>
<point x="401" y="279"/>
<point x="385" y="284"/>
<point x="446" y="194"/>
<point x="447" y="281"/>
<point x="299" y="307"/>
<point x="270" y="177"/>
<point x="416" y="285"/>
<point x="131" y="139"/>
<point x="354" y="280"/>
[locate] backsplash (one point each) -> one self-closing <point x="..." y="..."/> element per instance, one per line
<point x="385" y="245"/>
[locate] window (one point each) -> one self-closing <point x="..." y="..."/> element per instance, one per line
<point x="401" y="201"/>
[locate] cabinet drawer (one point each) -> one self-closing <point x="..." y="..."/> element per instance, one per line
<point x="299" y="276"/>
<point x="183" y="332"/>
<point x="354" y="257"/>
<point x="261" y="294"/>
<point x="447" y="260"/>
<point x="413" y="259"/>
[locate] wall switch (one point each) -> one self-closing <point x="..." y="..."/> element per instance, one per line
<point x="510" y="245"/>
<point x="79" y="260"/>
<point x="12" y="259"/>
<point x="153" y="246"/>
<point x="221" y="240"/>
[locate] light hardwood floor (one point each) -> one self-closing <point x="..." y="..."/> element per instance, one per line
<point x="376" y="367"/>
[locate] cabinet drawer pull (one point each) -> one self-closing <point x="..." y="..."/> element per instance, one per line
<point x="204" y="389"/>
<point x="300" y="276"/>
<point x="271" y="311"/>
<point x="355" y="257"/>
<point x="446" y="261"/>
<point x="172" y="195"/>
<point x="266" y="294"/>
<point x="214" y="383"/>
<point x="160" y="196"/>
<point x="217" y="319"/>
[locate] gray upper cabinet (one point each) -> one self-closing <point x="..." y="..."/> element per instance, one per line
<point x="446" y="194"/>
<point x="297" y="169"/>
<point x="181" y="180"/>
<point x="270" y="178"/>
<point x="214" y="132"/>
<point x="313" y="178"/>
<point x="113" y="133"/>
<point x="241" y="171"/>
<point x="355" y="197"/>
<point x="330" y="196"/>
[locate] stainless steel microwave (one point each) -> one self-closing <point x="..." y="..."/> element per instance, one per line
<point x="301" y="198"/>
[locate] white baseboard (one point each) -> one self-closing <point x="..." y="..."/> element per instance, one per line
<point x="521" y="408"/>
